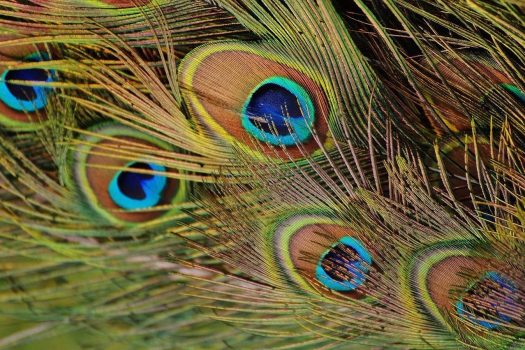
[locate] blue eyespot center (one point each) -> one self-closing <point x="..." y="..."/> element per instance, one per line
<point x="132" y="184"/>
<point x="24" y="92"/>
<point x="279" y="112"/>
<point x="489" y="301"/>
<point x="131" y="189"/>
<point x="344" y="266"/>
<point x="269" y="103"/>
<point x="22" y="97"/>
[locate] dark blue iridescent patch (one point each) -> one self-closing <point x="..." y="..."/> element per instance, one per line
<point x="344" y="266"/>
<point x="131" y="190"/>
<point x="26" y="98"/>
<point x="280" y="112"/>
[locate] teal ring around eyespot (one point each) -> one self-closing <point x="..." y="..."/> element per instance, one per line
<point x="460" y="306"/>
<point x="460" y="309"/>
<point x="360" y="268"/>
<point x="39" y="102"/>
<point x="77" y="179"/>
<point x="157" y="182"/>
<point x="301" y="128"/>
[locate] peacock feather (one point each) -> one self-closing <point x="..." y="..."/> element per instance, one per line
<point x="262" y="174"/>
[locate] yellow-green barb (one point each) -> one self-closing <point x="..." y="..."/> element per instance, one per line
<point x="262" y="174"/>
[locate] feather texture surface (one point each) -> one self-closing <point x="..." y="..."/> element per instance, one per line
<point x="262" y="174"/>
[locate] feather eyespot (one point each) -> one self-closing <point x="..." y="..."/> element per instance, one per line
<point x="474" y="88"/>
<point x="466" y="292"/>
<point x="344" y="266"/>
<point x="19" y="99"/>
<point x="489" y="301"/>
<point x="246" y="95"/>
<point x="320" y="253"/>
<point x="116" y="172"/>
